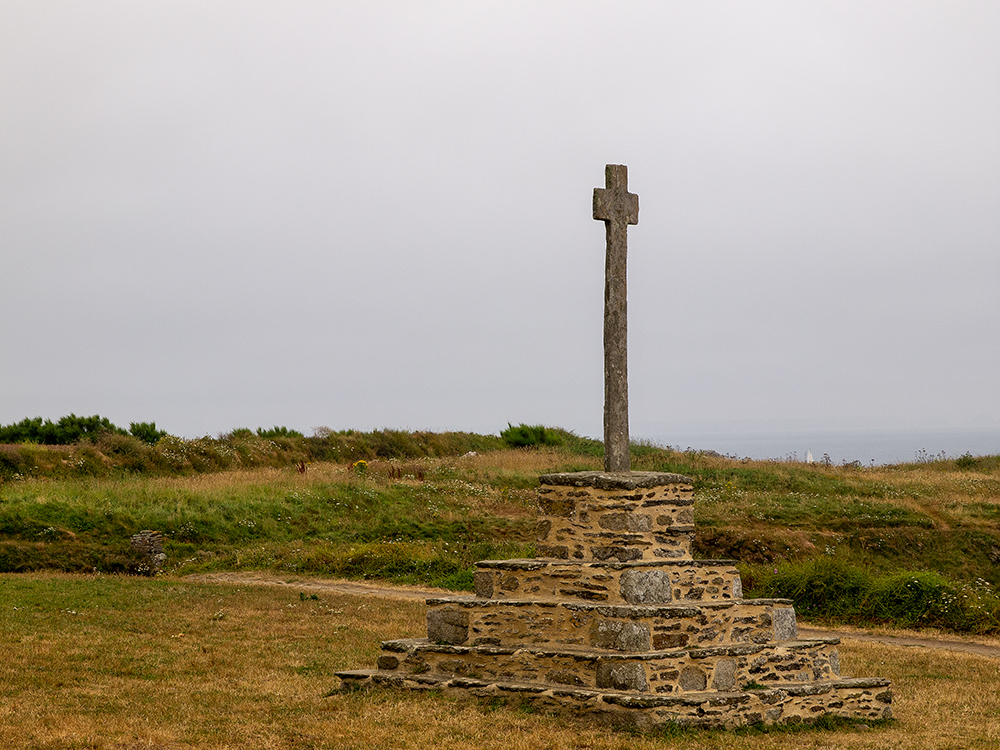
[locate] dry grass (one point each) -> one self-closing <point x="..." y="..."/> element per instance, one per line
<point x="103" y="662"/>
<point x="163" y="664"/>
<point x="448" y="476"/>
<point x="528" y="460"/>
<point x="241" y="478"/>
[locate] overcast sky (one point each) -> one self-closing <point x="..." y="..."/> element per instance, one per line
<point x="369" y="214"/>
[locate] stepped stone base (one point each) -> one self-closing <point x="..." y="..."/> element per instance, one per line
<point x="617" y="623"/>
<point x="858" y="698"/>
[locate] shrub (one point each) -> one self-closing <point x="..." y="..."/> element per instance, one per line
<point x="529" y="436"/>
<point x="146" y="431"/>
<point x="832" y="589"/>
<point x="130" y="450"/>
<point x="14" y="462"/>
<point x="825" y="586"/>
<point x="906" y="598"/>
<point x="69" y="429"/>
<point x="966" y="461"/>
<point x="278" y="432"/>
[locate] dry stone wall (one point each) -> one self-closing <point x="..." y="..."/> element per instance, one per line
<point x="149" y="544"/>
<point x="641" y="582"/>
<point x="615" y="622"/>
<point x="586" y="517"/>
<point x="459" y="620"/>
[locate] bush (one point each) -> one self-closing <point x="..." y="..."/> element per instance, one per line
<point x="126" y="451"/>
<point x="529" y="436"/>
<point x="835" y="590"/>
<point x="146" y="431"/>
<point x="14" y="462"/>
<point x="825" y="586"/>
<point x="68" y="430"/>
<point x="278" y="432"/>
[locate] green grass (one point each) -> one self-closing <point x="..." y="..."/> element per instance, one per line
<point x="429" y="505"/>
<point x="832" y="590"/>
<point x="342" y="523"/>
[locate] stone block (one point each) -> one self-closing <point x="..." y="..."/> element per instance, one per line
<point x="646" y="586"/>
<point x="692" y="678"/>
<point x="558" y="551"/>
<point x="613" y="675"/>
<point x="785" y="627"/>
<point x="611" y="481"/>
<point x="621" y="553"/>
<point x="556" y="505"/>
<point x="537" y="622"/>
<point x="483" y="581"/>
<point x="447" y="625"/>
<point x="614" y="582"/>
<point x="721" y="666"/>
<point x="620" y="635"/>
<point x="149" y="544"/>
<point x="724" y="675"/>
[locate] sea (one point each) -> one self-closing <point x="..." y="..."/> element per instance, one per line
<point x="867" y="447"/>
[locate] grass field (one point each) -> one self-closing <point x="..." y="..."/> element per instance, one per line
<point x="93" y="658"/>
<point x="110" y="662"/>
<point x="910" y="545"/>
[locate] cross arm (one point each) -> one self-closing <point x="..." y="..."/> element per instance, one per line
<point x="614" y="203"/>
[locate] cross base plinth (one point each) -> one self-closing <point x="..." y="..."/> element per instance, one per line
<point x="617" y="624"/>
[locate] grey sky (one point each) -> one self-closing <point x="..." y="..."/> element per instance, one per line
<point x="223" y="214"/>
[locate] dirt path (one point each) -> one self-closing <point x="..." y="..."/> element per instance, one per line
<point x="358" y="588"/>
<point x="394" y="591"/>
<point x="938" y="642"/>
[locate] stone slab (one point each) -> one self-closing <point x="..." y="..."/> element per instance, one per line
<point x="606" y="480"/>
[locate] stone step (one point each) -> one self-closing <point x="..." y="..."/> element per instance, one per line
<point x="565" y="541"/>
<point x="641" y="582"/>
<point x="470" y="620"/>
<point x="858" y="698"/>
<point x="675" y="671"/>
<point x="599" y="516"/>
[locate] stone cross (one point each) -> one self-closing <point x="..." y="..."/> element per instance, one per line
<point x="617" y="208"/>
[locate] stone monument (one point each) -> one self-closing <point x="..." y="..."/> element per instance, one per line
<point x="617" y="208"/>
<point x="614" y="620"/>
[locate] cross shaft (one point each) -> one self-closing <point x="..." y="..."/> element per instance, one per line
<point x="617" y="208"/>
